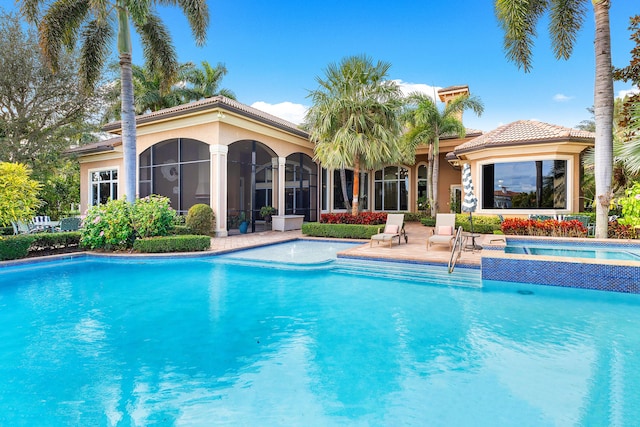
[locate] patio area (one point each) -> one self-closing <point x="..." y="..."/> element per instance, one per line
<point x="414" y="251"/>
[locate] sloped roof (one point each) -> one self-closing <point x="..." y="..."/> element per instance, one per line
<point x="468" y="134"/>
<point x="525" y="132"/>
<point x="96" y="147"/>
<point x="212" y="103"/>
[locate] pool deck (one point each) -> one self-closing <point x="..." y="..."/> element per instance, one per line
<point x="414" y="251"/>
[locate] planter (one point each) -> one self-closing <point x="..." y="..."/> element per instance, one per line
<point x="286" y="222"/>
<point x="243" y="227"/>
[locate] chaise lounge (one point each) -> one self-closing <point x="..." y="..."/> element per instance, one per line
<point x="392" y="229"/>
<point x="444" y="231"/>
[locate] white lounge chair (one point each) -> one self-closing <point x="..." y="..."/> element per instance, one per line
<point x="392" y="229"/>
<point x="444" y="231"/>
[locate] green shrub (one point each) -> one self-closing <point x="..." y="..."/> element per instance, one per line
<point x="6" y="231"/>
<point x="18" y="193"/>
<point x="200" y="219"/>
<point x="485" y="224"/>
<point x="152" y="216"/>
<point x="181" y="230"/>
<point x="108" y="226"/>
<point x="186" y="243"/>
<point x="343" y="231"/>
<point x="48" y="241"/>
<point x="630" y="206"/>
<point x="15" y="247"/>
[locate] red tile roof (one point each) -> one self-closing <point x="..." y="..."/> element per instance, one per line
<point x="525" y="132"/>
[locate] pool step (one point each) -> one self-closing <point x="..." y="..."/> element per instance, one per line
<point x="421" y="273"/>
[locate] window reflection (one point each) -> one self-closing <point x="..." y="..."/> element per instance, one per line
<point x="391" y="189"/>
<point x="540" y="184"/>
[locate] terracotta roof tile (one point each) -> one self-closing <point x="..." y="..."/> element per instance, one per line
<point x="525" y="132"/>
<point x="96" y="147"/>
<point x="211" y="103"/>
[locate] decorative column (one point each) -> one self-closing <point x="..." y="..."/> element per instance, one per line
<point x="282" y="162"/>
<point x="219" y="187"/>
<point x="275" y="195"/>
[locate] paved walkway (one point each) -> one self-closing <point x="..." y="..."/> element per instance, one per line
<point x="415" y="250"/>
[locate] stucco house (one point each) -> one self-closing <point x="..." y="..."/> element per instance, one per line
<point x="237" y="159"/>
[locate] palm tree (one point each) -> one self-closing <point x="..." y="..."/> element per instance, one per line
<point x="518" y="19"/>
<point x="206" y="81"/>
<point x="427" y="124"/>
<point x="354" y="119"/>
<point x="94" y="24"/>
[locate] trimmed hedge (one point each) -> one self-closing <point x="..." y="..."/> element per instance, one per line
<point x="484" y="224"/>
<point x="15" y="247"/>
<point x="181" y="230"/>
<point x="6" y="231"/>
<point x="184" y="243"/>
<point x="343" y="231"/>
<point x="48" y="241"/>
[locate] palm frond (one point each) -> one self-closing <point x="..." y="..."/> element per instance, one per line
<point x="96" y="38"/>
<point x="59" y="28"/>
<point x="567" y="17"/>
<point x="159" y="53"/>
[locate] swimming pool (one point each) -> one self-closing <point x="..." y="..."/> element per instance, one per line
<point x="202" y="341"/>
<point x="574" y="251"/>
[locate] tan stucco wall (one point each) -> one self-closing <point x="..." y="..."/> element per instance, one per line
<point x="92" y="163"/>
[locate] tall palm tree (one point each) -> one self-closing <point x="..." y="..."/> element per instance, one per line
<point x="354" y="119"/>
<point x="427" y="124"/>
<point x="206" y="81"/>
<point x="518" y="19"/>
<point x="93" y="23"/>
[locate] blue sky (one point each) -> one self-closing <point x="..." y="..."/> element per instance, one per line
<point x="274" y="50"/>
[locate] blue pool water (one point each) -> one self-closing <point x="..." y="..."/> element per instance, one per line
<point x="611" y="253"/>
<point x="203" y="342"/>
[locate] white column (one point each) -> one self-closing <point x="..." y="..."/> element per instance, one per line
<point x="282" y="161"/>
<point x="274" y="182"/>
<point x="219" y="187"/>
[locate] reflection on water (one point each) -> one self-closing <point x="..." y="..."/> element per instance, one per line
<point x="192" y="342"/>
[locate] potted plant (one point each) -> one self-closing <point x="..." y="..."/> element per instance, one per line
<point x="266" y="212"/>
<point x="244" y="224"/>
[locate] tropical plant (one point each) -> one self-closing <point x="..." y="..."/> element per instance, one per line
<point x="427" y="124"/>
<point x="152" y="216"/>
<point x="18" y="193"/>
<point x="354" y="120"/>
<point x="94" y="22"/>
<point x="108" y="226"/>
<point x="519" y="18"/>
<point x="205" y="82"/>
<point x="630" y="206"/>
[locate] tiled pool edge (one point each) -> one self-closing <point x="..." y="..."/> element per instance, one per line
<point x="579" y="273"/>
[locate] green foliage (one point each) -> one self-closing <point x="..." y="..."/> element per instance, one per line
<point x="267" y="210"/>
<point x="15" y="247"/>
<point x="49" y="241"/>
<point x="200" y="219"/>
<point x="631" y="206"/>
<point x="108" y="226"/>
<point x="60" y="188"/>
<point x="152" y="216"/>
<point x="6" y="231"/>
<point x="181" y="230"/>
<point x="343" y="231"/>
<point x="185" y="243"/>
<point x="18" y="193"/>
<point x="485" y="224"/>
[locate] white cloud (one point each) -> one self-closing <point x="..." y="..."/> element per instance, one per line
<point x="407" y="88"/>
<point x="624" y="93"/>
<point x="285" y="110"/>
<point x="560" y="97"/>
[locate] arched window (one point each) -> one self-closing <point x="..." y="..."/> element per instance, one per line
<point x="391" y="189"/>
<point x="178" y="169"/>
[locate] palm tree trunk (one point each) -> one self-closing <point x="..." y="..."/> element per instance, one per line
<point x="430" y="179"/>
<point x="356" y="186"/>
<point x="603" y="107"/>
<point x="128" y="115"/>
<point x="128" y="128"/>
<point x="345" y="194"/>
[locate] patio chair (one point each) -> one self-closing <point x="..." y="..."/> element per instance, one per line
<point x="70" y="224"/>
<point x="392" y="229"/>
<point x="444" y="232"/>
<point x="23" y="227"/>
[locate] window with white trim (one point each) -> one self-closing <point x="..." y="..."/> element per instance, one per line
<point x="103" y="186"/>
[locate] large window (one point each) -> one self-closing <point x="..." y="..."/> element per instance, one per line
<point x="422" y="187"/>
<point x="103" y="187"/>
<point x="338" y="194"/>
<point x="391" y="189"/>
<point x="540" y="184"/>
<point x="178" y="169"/>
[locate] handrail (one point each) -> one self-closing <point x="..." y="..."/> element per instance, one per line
<point x="457" y="243"/>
